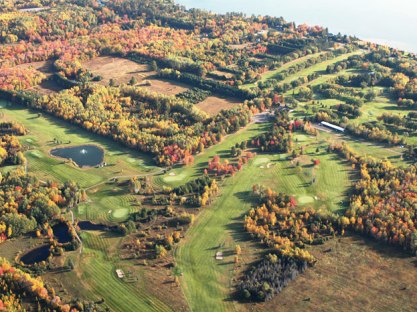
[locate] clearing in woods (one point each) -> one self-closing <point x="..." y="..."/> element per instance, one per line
<point x="122" y="70"/>
<point x="351" y="274"/>
<point x="48" y="85"/>
<point x="214" y="104"/>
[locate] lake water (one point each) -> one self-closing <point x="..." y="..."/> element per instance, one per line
<point x="82" y="155"/>
<point x="89" y="226"/>
<point x="36" y="255"/>
<point x="383" y="21"/>
<point x="61" y="233"/>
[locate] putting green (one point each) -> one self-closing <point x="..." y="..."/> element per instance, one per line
<point x="36" y="154"/>
<point x="260" y="161"/>
<point x="174" y="178"/>
<point x="120" y="213"/>
<point x="302" y="200"/>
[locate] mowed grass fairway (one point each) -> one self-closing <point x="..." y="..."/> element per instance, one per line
<point x="105" y="202"/>
<point x="207" y="282"/>
<point x="319" y="68"/>
<point x="96" y="271"/>
<point x="108" y="202"/>
<point x="271" y="74"/>
<point x="181" y="174"/>
<point x="43" y="130"/>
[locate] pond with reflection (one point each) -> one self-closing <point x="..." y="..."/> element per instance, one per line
<point x="82" y="155"/>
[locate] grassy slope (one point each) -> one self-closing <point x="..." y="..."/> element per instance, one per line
<point x="43" y="130"/>
<point x="206" y="283"/>
<point x="184" y="174"/>
<point x="109" y="202"/>
<point x="319" y="68"/>
<point x="97" y="271"/>
<point x="271" y="74"/>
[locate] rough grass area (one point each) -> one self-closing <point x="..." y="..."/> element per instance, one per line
<point x="165" y="87"/>
<point x="11" y="248"/>
<point x="48" y="85"/>
<point x="355" y="275"/>
<point x="95" y="275"/>
<point x="122" y="70"/>
<point x="214" y="104"/>
<point x="45" y="67"/>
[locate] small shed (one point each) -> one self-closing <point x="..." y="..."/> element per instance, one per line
<point x="120" y="273"/>
<point x="219" y="255"/>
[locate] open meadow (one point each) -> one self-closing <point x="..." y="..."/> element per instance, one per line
<point x="212" y="105"/>
<point x="121" y="71"/>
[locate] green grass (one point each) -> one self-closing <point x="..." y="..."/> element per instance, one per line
<point x="206" y="282"/>
<point x="43" y="130"/>
<point x="107" y="203"/>
<point x="97" y="274"/>
<point x="319" y="68"/>
<point x="366" y="148"/>
<point x="186" y="173"/>
<point x="122" y="162"/>
<point x="382" y="104"/>
<point x="271" y="74"/>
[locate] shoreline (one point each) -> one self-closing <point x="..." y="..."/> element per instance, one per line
<point x="71" y="160"/>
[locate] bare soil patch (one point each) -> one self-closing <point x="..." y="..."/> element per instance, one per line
<point x="45" y="67"/>
<point x="119" y="69"/>
<point x="240" y="46"/>
<point x="122" y="70"/>
<point x="214" y="104"/>
<point x="165" y="87"/>
<point x="48" y="85"/>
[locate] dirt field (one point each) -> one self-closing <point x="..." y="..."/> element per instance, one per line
<point x="356" y="275"/>
<point x="45" y="67"/>
<point x="165" y="87"/>
<point x="120" y="69"/>
<point x="47" y="86"/>
<point x="239" y="46"/>
<point x="214" y="104"/>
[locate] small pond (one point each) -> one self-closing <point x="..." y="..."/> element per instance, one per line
<point x="61" y="232"/>
<point x="89" y="226"/>
<point x="36" y="255"/>
<point x="82" y="155"/>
